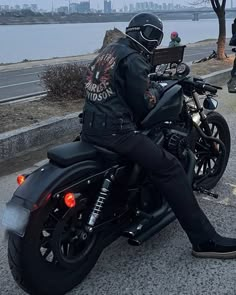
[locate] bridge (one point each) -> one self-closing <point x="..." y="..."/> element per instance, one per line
<point x="195" y="12"/>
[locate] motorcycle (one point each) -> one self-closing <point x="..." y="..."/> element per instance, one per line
<point x="65" y="213"/>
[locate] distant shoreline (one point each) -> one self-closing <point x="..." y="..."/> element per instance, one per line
<point x="87" y="18"/>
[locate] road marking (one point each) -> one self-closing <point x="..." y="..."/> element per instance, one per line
<point x="193" y="54"/>
<point x="18" y="84"/>
<point x="28" y="74"/>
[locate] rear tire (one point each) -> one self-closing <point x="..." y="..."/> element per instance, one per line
<point x="33" y="273"/>
<point x="205" y="160"/>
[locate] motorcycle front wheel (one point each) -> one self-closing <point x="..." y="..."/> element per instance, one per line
<point x="210" y="166"/>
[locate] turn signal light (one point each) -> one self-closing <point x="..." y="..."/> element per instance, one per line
<point x="21" y="179"/>
<point x="69" y="200"/>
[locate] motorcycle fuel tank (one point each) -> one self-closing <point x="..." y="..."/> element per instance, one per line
<point x="167" y="109"/>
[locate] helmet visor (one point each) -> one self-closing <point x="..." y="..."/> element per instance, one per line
<point x="152" y="33"/>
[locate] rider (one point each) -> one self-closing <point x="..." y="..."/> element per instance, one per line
<point x="118" y="98"/>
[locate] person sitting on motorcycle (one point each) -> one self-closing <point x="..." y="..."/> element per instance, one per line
<point x="118" y="97"/>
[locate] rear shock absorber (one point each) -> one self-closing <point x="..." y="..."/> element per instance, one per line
<point x="103" y="195"/>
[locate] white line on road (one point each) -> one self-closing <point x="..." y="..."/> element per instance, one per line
<point x="193" y="54"/>
<point x="27" y="74"/>
<point x="23" y="83"/>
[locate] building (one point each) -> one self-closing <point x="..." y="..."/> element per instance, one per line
<point x="131" y="8"/>
<point x="73" y="8"/>
<point x="63" y="9"/>
<point x="84" y="7"/>
<point x="17" y="7"/>
<point x="6" y="7"/>
<point x="107" y="6"/>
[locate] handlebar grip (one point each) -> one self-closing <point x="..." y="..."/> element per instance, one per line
<point x="209" y="88"/>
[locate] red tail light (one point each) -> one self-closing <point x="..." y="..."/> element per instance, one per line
<point x="70" y="200"/>
<point x="21" y="179"/>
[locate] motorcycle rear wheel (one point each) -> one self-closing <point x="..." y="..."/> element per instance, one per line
<point x="42" y="273"/>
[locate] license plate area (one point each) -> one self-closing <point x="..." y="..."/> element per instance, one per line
<point x="15" y="218"/>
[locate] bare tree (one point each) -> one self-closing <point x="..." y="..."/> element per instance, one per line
<point x="219" y="8"/>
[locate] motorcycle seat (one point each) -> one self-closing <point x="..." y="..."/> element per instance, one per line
<point x="71" y="153"/>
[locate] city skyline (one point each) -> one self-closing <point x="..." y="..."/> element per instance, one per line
<point x="96" y="4"/>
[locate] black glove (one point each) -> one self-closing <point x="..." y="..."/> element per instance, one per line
<point x="153" y="94"/>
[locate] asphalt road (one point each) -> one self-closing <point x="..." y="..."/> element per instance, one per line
<point x="162" y="265"/>
<point x="14" y="83"/>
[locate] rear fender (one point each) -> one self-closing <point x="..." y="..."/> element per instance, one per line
<point x="41" y="184"/>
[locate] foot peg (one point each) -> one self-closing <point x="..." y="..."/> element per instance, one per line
<point x="206" y="192"/>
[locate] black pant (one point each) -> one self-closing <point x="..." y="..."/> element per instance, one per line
<point x="168" y="175"/>
<point x="233" y="72"/>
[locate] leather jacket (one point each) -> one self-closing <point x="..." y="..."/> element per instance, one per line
<point x="117" y="90"/>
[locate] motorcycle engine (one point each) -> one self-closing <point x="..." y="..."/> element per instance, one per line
<point x="176" y="142"/>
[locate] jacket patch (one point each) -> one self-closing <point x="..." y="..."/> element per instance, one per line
<point x="99" y="79"/>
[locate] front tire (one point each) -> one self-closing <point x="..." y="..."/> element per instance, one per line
<point x="210" y="168"/>
<point x="39" y="276"/>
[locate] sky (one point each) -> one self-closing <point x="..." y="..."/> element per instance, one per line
<point x="47" y="4"/>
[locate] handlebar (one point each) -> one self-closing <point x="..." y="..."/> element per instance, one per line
<point x="209" y="88"/>
<point x="200" y="85"/>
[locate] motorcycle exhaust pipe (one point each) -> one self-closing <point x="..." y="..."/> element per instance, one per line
<point x="147" y="221"/>
<point x="142" y="237"/>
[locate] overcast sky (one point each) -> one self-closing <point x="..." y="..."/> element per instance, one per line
<point x="47" y="4"/>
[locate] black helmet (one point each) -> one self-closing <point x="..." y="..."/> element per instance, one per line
<point x="146" y="29"/>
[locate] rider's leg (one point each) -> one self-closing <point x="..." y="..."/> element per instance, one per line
<point x="232" y="81"/>
<point x="170" y="177"/>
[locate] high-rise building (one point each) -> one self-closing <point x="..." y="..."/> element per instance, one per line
<point x="126" y="9"/>
<point x="84" y="7"/>
<point x="131" y="8"/>
<point x="107" y="6"/>
<point x="74" y="8"/>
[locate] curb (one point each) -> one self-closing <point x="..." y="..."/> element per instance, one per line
<point x="218" y="78"/>
<point x="20" y="140"/>
<point x="17" y="141"/>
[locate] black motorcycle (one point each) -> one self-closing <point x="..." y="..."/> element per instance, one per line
<point x="65" y="213"/>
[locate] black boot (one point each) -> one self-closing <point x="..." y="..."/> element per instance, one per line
<point x="232" y="85"/>
<point x="219" y="247"/>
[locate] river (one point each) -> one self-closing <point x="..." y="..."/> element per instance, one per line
<point x="32" y="42"/>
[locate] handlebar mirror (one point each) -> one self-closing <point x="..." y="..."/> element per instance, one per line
<point x="210" y="103"/>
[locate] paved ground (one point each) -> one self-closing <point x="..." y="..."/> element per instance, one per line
<point x="163" y="265"/>
<point x="23" y="79"/>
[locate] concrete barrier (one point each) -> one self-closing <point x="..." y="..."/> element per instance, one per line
<point x="40" y="134"/>
<point x="37" y="135"/>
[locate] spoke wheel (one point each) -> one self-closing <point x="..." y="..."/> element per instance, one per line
<point x="211" y="161"/>
<point x="55" y="255"/>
